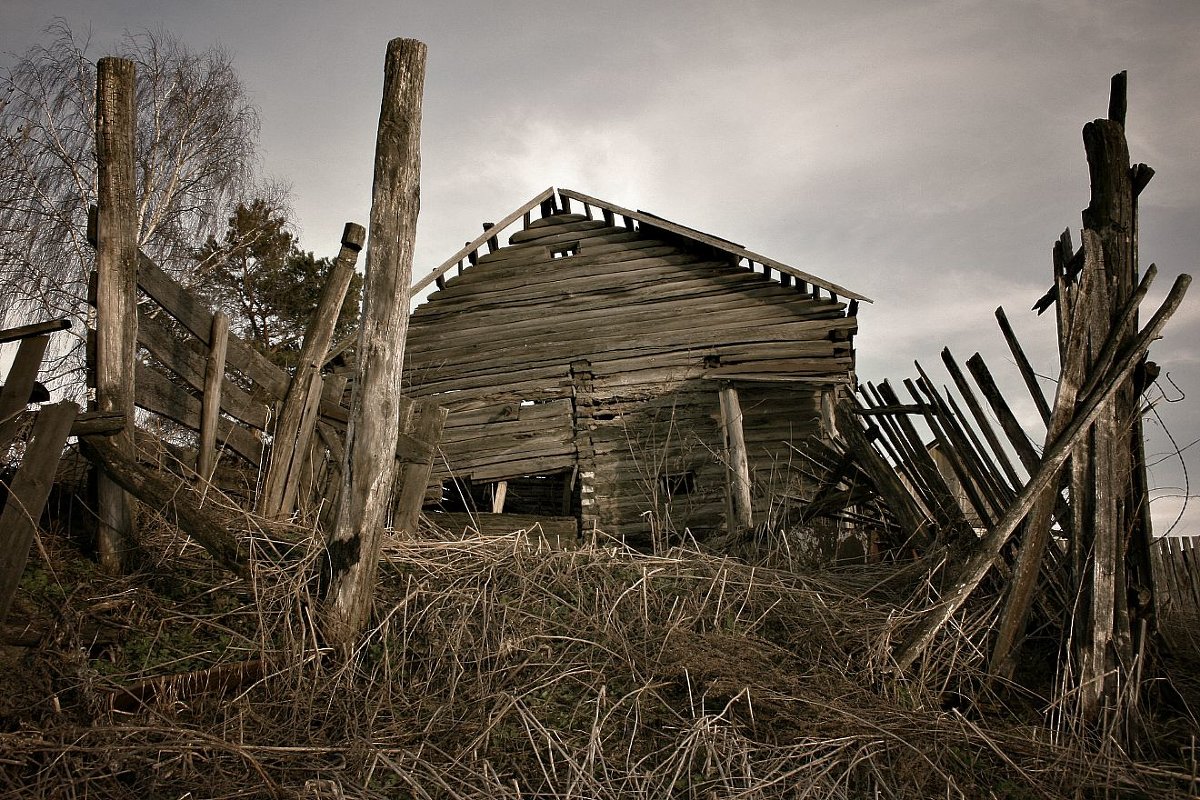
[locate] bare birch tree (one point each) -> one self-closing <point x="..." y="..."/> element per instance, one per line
<point x="195" y="157"/>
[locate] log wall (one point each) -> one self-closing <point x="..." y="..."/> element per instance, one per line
<point x="597" y="347"/>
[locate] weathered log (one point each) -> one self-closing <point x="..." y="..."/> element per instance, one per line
<point x="737" y="461"/>
<point x="116" y="288"/>
<point x="354" y="544"/>
<point x="171" y="498"/>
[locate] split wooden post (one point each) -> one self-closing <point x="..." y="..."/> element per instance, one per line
<point x="210" y="403"/>
<point x="287" y="450"/>
<point x="116" y="286"/>
<point x="28" y="495"/>
<point x="354" y="544"/>
<point x="737" y="460"/>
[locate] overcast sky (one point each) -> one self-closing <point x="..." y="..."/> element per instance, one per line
<point x="924" y="153"/>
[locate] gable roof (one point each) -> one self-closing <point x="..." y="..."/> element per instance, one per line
<point x="551" y="198"/>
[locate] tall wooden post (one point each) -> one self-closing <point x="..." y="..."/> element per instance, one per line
<point x="116" y="284"/>
<point x="288" y="450"/>
<point x="354" y="544"/>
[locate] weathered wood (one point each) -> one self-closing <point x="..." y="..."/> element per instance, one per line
<point x="284" y="466"/>
<point x="192" y="368"/>
<point x="556" y="532"/>
<point x="116" y="289"/>
<point x="160" y="395"/>
<point x="981" y="420"/>
<point x="719" y="244"/>
<point x="172" y="499"/>
<point x="736" y="460"/>
<point x="1013" y="618"/>
<point x="210" y="402"/>
<point x="972" y="572"/>
<point x="413" y="478"/>
<point x="354" y="544"/>
<point x="35" y="329"/>
<point x="1008" y="421"/>
<point x="14" y="395"/>
<point x="1023" y="366"/>
<point x="476" y="243"/>
<point x="28" y="493"/>
<point x="301" y="448"/>
<point x="98" y="423"/>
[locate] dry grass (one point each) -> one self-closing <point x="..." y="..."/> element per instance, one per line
<point x="499" y="670"/>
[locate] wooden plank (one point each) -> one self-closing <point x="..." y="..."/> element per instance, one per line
<point x="737" y="460"/>
<point x="210" y="402"/>
<point x="192" y="367"/>
<point x="28" y="493"/>
<point x="301" y="450"/>
<point x="564" y="223"/>
<point x="18" y="386"/>
<point x="160" y="395"/>
<point x="478" y="241"/>
<point x="354" y="544"/>
<point x="414" y="478"/>
<point x="719" y="244"/>
<point x="116" y="300"/>
<point x="35" y="329"/>
<point x="985" y="427"/>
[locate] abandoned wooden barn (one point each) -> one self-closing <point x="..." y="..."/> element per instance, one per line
<point x="611" y="369"/>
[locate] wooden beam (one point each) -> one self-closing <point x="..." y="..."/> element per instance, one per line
<point x="36" y="329"/>
<point x="116" y="289"/>
<point x="18" y="385"/>
<point x="972" y="572"/>
<point x="171" y="499"/>
<point x="353" y="546"/>
<point x="284" y="466"/>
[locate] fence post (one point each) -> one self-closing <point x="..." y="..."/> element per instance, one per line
<point x="210" y="403"/>
<point x="353" y="546"/>
<point x="116" y="270"/>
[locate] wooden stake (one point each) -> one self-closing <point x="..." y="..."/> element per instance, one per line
<point x="354" y="544"/>
<point x="116" y="308"/>
<point x="737" y="460"/>
<point x="210" y="403"/>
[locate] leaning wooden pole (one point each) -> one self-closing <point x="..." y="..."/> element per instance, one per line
<point x="353" y="546"/>
<point x="116" y="286"/>
<point x="289" y="447"/>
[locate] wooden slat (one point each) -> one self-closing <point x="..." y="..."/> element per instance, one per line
<point x="158" y="394"/>
<point x="35" y="329"/>
<point x="28" y="493"/>
<point x="719" y="244"/>
<point x="210" y="401"/>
